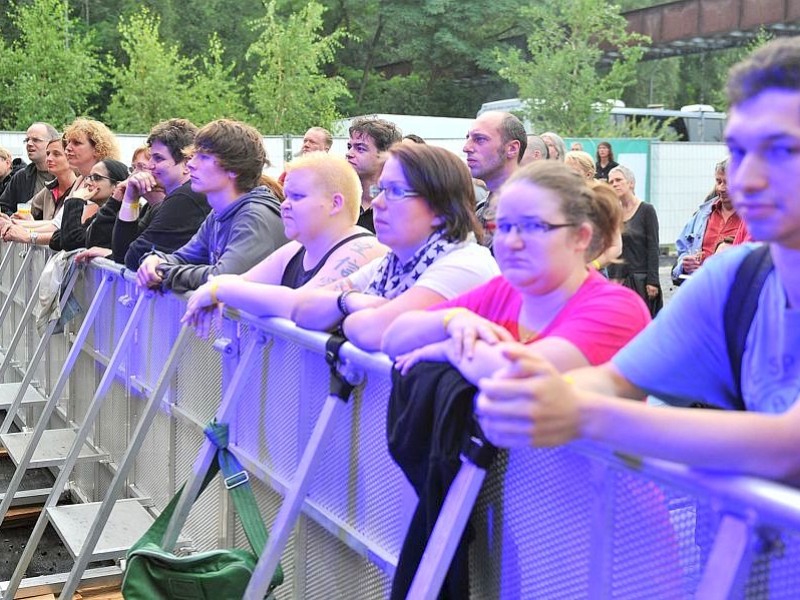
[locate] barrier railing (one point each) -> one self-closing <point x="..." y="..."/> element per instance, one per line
<point x="568" y="522"/>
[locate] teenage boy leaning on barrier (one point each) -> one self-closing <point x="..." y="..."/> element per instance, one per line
<point x="682" y="357"/>
<point x="244" y="225"/>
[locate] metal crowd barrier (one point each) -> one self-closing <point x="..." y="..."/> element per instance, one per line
<point x="573" y="522"/>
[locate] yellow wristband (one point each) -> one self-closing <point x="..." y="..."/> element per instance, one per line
<point x="568" y="379"/>
<point x="596" y="264"/>
<point x="213" y="292"/>
<point x="450" y="314"/>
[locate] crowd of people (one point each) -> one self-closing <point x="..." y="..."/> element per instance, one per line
<point x="522" y="275"/>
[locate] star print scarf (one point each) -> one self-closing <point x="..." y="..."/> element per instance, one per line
<point x="393" y="277"/>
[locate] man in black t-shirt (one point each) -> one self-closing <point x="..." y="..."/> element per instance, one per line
<point x="370" y="138"/>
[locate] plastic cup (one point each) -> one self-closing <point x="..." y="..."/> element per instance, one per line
<point x="24" y="208"/>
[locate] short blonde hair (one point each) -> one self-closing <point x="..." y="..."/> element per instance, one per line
<point x="335" y="175"/>
<point x="100" y="137"/>
<point x="5" y="154"/>
<point x="584" y="161"/>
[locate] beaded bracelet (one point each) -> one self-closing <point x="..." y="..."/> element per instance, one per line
<point x="341" y="302"/>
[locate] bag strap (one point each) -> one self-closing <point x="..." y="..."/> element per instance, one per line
<point x="740" y="310"/>
<point x="237" y="482"/>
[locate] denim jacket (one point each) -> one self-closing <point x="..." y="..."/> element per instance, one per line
<point x="690" y="241"/>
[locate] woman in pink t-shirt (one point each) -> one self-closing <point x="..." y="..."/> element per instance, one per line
<point x="550" y="224"/>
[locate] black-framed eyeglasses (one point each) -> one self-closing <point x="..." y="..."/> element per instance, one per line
<point x="96" y="177"/>
<point x="529" y="227"/>
<point x="392" y="193"/>
<point x="32" y="139"/>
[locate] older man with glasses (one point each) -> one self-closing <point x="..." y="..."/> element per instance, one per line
<point x="27" y="182"/>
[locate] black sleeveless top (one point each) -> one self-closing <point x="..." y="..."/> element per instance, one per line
<point x="294" y="276"/>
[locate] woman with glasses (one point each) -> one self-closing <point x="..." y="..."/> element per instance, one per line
<point x="90" y="212"/>
<point x="424" y="211"/>
<point x="548" y="302"/>
<point x="46" y="206"/>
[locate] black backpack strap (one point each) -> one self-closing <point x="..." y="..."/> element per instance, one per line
<point x="740" y="309"/>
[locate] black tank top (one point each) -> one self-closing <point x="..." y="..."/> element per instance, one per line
<point x="295" y="276"/>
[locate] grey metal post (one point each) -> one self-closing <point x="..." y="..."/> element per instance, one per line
<point x="447" y="532"/>
<point x="145" y="421"/>
<point x="83" y="432"/>
<point x="728" y="561"/>
<point x="297" y="492"/>
<point x="55" y="394"/>
<point x="208" y="450"/>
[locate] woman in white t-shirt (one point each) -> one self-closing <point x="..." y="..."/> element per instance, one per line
<point x="424" y="210"/>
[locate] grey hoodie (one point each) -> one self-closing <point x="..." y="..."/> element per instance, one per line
<point x="231" y="241"/>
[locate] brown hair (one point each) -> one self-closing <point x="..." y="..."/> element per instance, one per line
<point x="384" y="133"/>
<point x="238" y="148"/>
<point x="443" y="180"/>
<point x="176" y="134"/>
<point x="273" y="185"/>
<point x="581" y="201"/>
<point x="99" y="136"/>
<point x="774" y="65"/>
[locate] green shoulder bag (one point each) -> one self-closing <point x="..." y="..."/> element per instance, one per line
<point x="155" y="573"/>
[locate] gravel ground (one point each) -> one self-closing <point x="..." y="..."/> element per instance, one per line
<point x="664" y="271"/>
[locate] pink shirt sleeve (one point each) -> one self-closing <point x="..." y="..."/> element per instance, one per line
<point x="600" y="319"/>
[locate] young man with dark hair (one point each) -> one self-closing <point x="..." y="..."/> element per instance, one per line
<point x="244" y="225"/>
<point x="164" y="223"/>
<point x="683" y="358"/>
<point x="370" y="138"/>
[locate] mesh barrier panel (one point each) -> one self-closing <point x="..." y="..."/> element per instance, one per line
<point x="204" y="522"/>
<point x="269" y="502"/>
<point x="332" y="570"/>
<point x="269" y="408"/>
<point x="151" y="472"/>
<point x="199" y="380"/>
<point x="112" y="426"/>
<point x="357" y="480"/>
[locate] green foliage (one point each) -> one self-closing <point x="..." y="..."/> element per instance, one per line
<point x="289" y="92"/>
<point x="215" y="90"/>
<point x="152" y="86"/>
<point x="49" y="72"/>
<point x="563" y="79"/>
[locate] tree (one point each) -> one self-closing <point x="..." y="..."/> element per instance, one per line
<point x="215" y="92"/>
<point x="567" y="88"/>
<point x="49" y="71"/>
<point x="289" y="92"/>
<point x="152" y="86"/>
